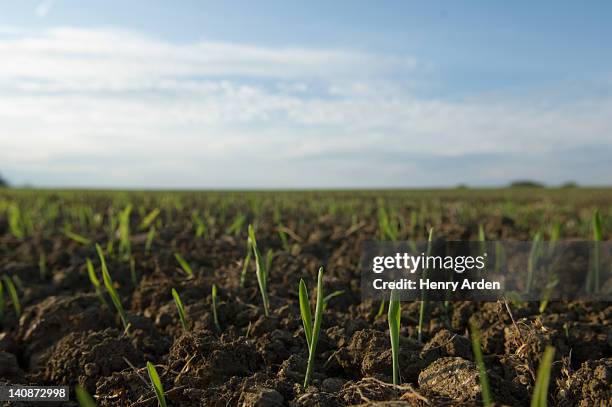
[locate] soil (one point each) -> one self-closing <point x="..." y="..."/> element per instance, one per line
<point x="65" y="336"/>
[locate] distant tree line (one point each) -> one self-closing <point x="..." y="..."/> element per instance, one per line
<point x="3" y="182"/>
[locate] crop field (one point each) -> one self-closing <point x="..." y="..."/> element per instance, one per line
<point x="254" y="299"/>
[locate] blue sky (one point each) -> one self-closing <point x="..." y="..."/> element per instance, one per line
<point x="278" y="94"/>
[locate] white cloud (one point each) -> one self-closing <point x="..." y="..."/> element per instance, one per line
<point x="114" y="107"/>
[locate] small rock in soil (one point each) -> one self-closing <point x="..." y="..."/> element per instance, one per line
<point x="452" y="377"/>
<point x="261" y="397"/>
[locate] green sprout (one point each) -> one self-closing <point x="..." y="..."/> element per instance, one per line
<point x="386" y="230"/>
<point x="593" y="276"/>
<point x="236" y="225"/>
<point x="215" y="300"/>
<point x="200" y="227"/>
<point x="14" y="221"/>
<point x="12" y="291"/>
<point x="184" y="265"/>
<point x="311" y="331"/>
<point x="77" y="238"/>
<point x="394" y="316"/>
<point x="108" y="283"/>
<point x="534" y="257"/>
<point x="125" y="247"/>
<point x="149" y="241"/>
<point x="148" y="220"/>
<point x="95" y="282"/>
<point x="482" y="370"/>
<point x="423" y="305"/>
<point x="181" y="309"/>
<point x="540" y="390"/>
<point x="157" y="384"/>
<point x="262" y="273"/>
<point x="83" y="397"/>
<point x="381" y="309"/>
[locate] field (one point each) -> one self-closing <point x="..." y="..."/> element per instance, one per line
<point x="57" y="328"/>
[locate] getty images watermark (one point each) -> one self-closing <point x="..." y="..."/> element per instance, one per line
<point x="488" y="271"/>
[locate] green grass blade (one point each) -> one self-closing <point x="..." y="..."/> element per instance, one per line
<point x="83" y="397"/>
<point x="77" y="238"/>
<point x="148" y="220"/>
<point x="215" y="300"/>
<point x="184" y="265"/>
<point x="305" y="311"/>
<point x="423" y="305"/>
<point x="381" y="309"/>
<point x="12" y="291"/>
<point x="540" y="390"/>
<point x="262" y="275"/>
<point x="150" y="238"/>
<point x="394" y="318"/>
<point x="316" y="330"/>
<point x="180" y="308"/>
<point x="95" y="282"/>
<point x="597" y="237"/>
<point x="110" y="288"/>
<point x="485" y="389"/>
<point x="157" y="384"/>
<point x="534" y="257"/>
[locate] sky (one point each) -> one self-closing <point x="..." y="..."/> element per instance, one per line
<point x="318" y="94"/>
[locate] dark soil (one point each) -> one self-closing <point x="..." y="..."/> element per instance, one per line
<point x="66" y="337"/>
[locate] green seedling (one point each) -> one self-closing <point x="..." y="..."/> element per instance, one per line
<point x="150" y="238"/>
<point x="381" y="309"/>
<point x="328" y="297"/>
<point x="394" y="317"/>
<point x="262" y="273"/>
<point x="157" y="384"/>
<point x="95" y="282"/>
<point x="215" y="300"/>
<point x="311" y="331"/>
<point x="200" y="227"/>
<point x="481" y="238"/>
<point x="181" y="309"/>
<point x="184" y="265"/>
<point x="83" y="397"/>
<point x="593" y="276"/>
<point x="269" y="258"/>
<point x="534" y="257"/>
<point x="14" y="221"/>
<point x="423" y="305"/>
<point x="108" y="283"/>
<point x="12" y="292"/>
<point x="540" y="390"/>
<point x="485" y="389"/>
<point x="237" y="225"/>
<point x="386" y="230"/>
<point x="148" y="220"/>
<point x="77" y="238"/>
<point x="283" y="237"/>
<point x="125" y="247"/>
